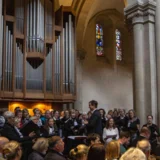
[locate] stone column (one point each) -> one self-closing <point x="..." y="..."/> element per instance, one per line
<point x="141" y="15"/>
<point x="158" y="54"/>
<point x="149" y="25"/>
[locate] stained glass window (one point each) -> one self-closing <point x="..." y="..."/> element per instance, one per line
<point x="99" y="40"/>
<point x="118" y="45"/>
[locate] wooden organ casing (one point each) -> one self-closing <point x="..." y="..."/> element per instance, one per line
<point x="37" y="51"/>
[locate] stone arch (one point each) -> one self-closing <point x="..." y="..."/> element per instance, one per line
<point x="84" y="16"/>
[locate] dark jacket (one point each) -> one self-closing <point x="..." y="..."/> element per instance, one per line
<point x="95" y="123"/>
<point x="36" y="156"/>
<point x="46" y="131"/>
<point x="139" y="138"/>
<point x="71" y="128"/>
<point x="54" y="155"/>
<point x="31" y="127"/>
<point x="10" y="132"/>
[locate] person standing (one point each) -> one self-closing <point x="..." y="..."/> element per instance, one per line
<point x="94" y="124"/>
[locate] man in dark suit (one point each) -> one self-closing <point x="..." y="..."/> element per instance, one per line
<point x="94" y="124"/>
<point x="56" y="147"/>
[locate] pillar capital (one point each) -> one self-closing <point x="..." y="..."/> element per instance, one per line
<point x="141" y="12"/>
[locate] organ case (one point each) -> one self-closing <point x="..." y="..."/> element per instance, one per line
<point x="37" y="51"/>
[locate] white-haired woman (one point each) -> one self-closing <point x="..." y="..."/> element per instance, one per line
<point x="133" y="154"/>
<point x="39" y="149"/>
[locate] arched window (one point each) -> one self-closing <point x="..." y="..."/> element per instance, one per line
<point x="99" y="40"/>
<point x="118" y="45"/>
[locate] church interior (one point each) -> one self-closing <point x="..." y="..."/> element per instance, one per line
<point x="60" y="54"/>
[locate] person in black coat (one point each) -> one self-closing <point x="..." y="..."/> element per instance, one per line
<point x="72" y="125"/>
<point x="103" y="118"/>
<point x="94" y="124"/>
<point x="32" y="127"/>
<point x="50" y="128"/>
<point x="12" y="133"/>
<point x="9" y="129"/>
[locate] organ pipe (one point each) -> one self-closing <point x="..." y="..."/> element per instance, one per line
<point x="19" y="12"/>
<point x="1" y="44"/>
<point x="66" y="60"/>
<point x="69" y="60"/>
<point x="49" y="69"/>
<point x="19" y="67"/>
<point x="8" y="67"/>
<point x="35" y="28"/>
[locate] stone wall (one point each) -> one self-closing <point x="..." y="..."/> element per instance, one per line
<point x="103" y="78"/>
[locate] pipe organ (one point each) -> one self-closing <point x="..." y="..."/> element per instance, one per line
<point x="37" y="51"/>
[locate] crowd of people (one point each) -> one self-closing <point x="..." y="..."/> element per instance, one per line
<point x="111" y="135"/>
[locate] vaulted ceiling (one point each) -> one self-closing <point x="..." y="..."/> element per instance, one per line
<point x="86" y="9"/>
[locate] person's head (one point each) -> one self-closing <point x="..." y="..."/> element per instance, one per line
<point x="56" y="143"/>
<point x="145" y="146"/>
<point x="50" y="122"/>
<point x="9" y="117"/>
<point x="3" y="141"/>
<point x="124" y="137"/>
<point x="17" y="122"/>
<point x="96" y="152"/>
<point x="66" y="114"/>
<point x="25" y="113"/>
<point x="122" y="112"/>
<point x="16" y="109"/>
<point x="47" y="114"/>
<point x="18" y="113"/>
<point x="131" y="113"/>
<point x="73" y="114"/>
<point x="110" y="123"/>
<point x="12" y="150"/>
<point x="93" y="105"/>
<point x="149" y="119"/>
<point x="102" y="112"/>
<point x="115" y="113"/>
<point x="145" y="132"/>
<point x="110" y="112"/>
<point x="112" y="150"/>
<point x="79" y="153"/>
<point x="34" y="119"/>
<point x="56" y="114"/>
<point x="84" y="116"/>
<point x="41" y="145"/>
<point x="133" y="154"/>
<point x="62" y="114"/>
<point x="93" y="138"/>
